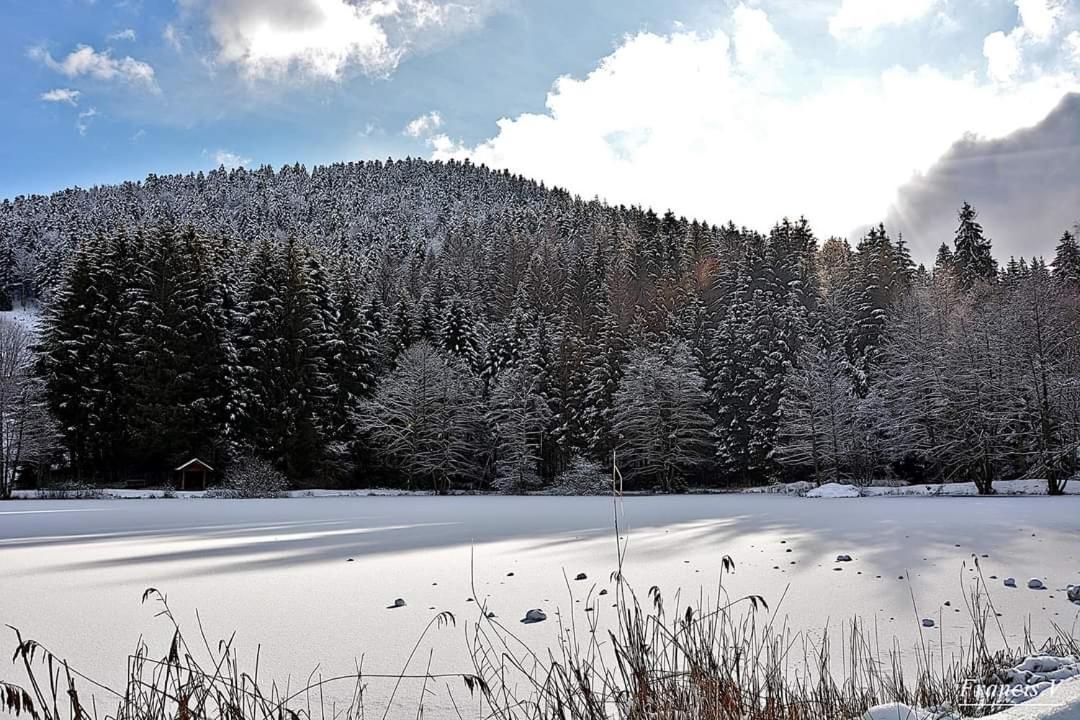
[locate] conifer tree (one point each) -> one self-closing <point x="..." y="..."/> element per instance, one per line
<point x="1067" y="261"/>
<point x="972" y="262"/>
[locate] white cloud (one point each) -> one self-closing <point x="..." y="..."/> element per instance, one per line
<point x="837" y="152"/>
<point x="1039" y="17"/>
<point x="62" y="95"/>
<point x="323" y="37"/>
<point x="1004" y="57"/>
<point x="1072" y="46"/>
<point x="1005" y="52"/>
<point x="125" y="34"/>
<point x="227" y="159"/>
<point x="757" y="44"/>
<point x="424" y="125"/>
<point x="82" y="122"/>
<point x="84" y="61"/>
<point x="859" y="19"/>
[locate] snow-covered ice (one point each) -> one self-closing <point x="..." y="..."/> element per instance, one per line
<point x="278" y="572"/>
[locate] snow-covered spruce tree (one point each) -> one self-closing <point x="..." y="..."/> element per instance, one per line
<point x="426" y="419"/>
<point x="259" y="346"/>
<point x="458" y="333"/>
<point x="605" y="374"/>
<point x="27" y="433"/>
<point x="402" y="332"/>
<point x="350" y="363"/>
<point x="284" y="346"/>
<point x="660" y="419"/>
<point x="1067" y="261"/>
<point x="65" y="361"/>
<point x="85" y="357"/>
<point x="944" y="262"/>
<point x="972" y="261"/>
<point x="874" y="278"/>
<point x="178" y="376"/>
<point x="747" y="365"/>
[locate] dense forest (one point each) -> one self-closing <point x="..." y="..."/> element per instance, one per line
<point x="432" y="325"/>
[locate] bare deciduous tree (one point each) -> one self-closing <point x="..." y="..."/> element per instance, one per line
<point x="27" y="435"/>
<point x="426" y="417"/>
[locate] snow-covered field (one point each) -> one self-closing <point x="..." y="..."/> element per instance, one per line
<point x="310" y="579"/>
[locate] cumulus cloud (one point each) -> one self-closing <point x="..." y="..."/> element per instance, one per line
<point x="757" y="44"/>
<point x="741" y="150"/>
<point x="1038" y="23"/>
<point x="125" y="34"/>
<point x="84" y="61"/>
<point x="1039" y="18"/>
<point x="322" y="38"/>
<point x="228" y="159"/>
<point x="1004" y="57"/>
<point x="424" y="125"/>
<point x="62" y="95"/>
<point x="860" y="19"/>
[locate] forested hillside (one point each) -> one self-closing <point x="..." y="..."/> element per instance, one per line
<point x="438" y="325"/>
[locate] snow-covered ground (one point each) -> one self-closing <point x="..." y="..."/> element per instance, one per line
<point x="157" y="493"/>
<point x="310" y="579"/>
<point x="1041" y="687"/>
<point x="29" y="317"/>
<point x="1004" y="488"/>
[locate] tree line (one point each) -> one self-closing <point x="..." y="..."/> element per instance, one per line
<point x="504" y="336"/>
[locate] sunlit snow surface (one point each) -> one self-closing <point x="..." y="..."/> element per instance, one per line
<point x="277" y="571"/>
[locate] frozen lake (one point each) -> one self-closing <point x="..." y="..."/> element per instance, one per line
<point x="278" y="572"/>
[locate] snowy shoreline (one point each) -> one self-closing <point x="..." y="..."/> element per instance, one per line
<point x="1002" y="488"/>
<point x="801" y="489"/>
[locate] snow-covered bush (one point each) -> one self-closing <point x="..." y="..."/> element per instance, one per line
<point x="71" y="490"/>
<point x="583" y="477"/>
<point x="251" y="477"/>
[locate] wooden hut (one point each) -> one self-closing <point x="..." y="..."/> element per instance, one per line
<point x="194" y="470"/>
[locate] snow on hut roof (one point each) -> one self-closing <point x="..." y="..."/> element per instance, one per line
<point x="193" y="461"/>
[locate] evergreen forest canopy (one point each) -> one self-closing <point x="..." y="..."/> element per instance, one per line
<point x="434" y="325"/>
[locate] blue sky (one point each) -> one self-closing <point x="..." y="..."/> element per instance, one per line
<point x="745" y="110"/>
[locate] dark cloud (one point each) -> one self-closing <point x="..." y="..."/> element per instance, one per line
<point x="1026" y="187"/>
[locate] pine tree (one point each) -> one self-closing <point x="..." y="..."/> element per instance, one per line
<point x="458" y="332"/>
<point x="1067" y="261"/>
<point x="350" y="362"/>
<point x="178" y="377"/>
<point x="972" y="261"/>
<point x="747" y="364"/>
<point x="66" y="354"/>
<point x="284" y="346"/>
<point x="519" y="418"/>
<point x="944" y="262"/>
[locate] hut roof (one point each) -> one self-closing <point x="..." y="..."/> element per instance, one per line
<point x="194" y="463"/>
